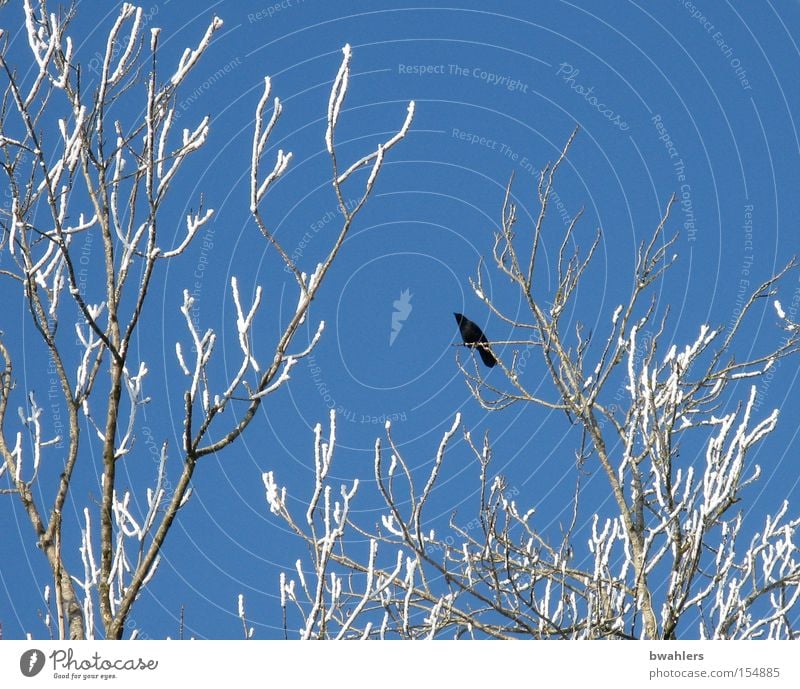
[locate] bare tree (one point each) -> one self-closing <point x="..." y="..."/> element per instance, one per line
<point x="670" y="563"/>
<point x="80" y="163"/>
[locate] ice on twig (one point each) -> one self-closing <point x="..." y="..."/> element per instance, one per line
<point x="337" y="96"/>
<point x="190" y="57"/>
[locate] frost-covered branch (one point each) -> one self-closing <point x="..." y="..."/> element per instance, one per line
<point x="89" y="222"/>
<point x="668" y="424"/>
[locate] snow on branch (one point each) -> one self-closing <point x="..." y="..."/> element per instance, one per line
<point x="672" y="448"/>
<point x="202" y="348"/>
<point x="191" y="141"/>
<point x="381" y="150"/>
<point x="193" y="223"/>
<point x="44" y="40"/>
<point x="123" y="167"/>
<point x="261" y="134"/>
<point x="338" y="92"/>
<point x="191" y="56"/>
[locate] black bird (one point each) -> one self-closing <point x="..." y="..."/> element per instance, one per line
<point x="473" y="337"/>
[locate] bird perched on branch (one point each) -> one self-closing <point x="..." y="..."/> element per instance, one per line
<point x="473" y="337"/>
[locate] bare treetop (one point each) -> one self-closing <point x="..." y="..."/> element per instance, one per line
<point x="109" y="173"/>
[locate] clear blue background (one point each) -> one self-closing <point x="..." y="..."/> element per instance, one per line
<point x="435" y="208"/>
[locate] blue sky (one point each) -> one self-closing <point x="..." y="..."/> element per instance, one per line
<point x="697" y="99"/>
